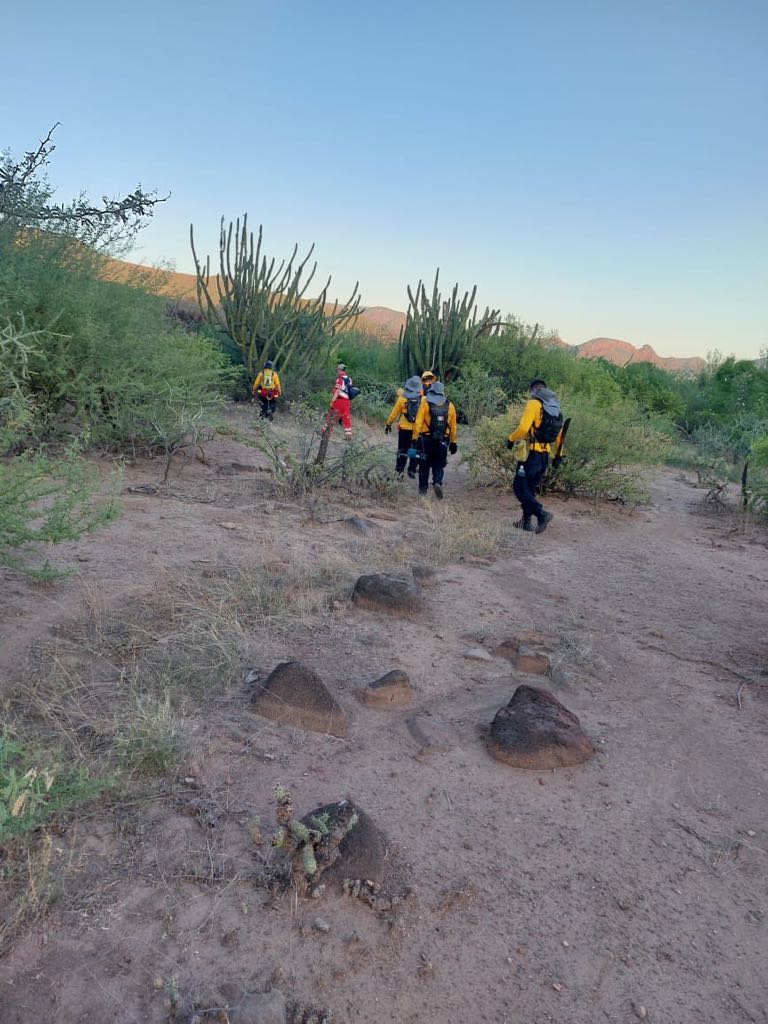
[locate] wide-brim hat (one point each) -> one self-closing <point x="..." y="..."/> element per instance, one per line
<point x="412" y="387"/>
<point x="436" y="394"/>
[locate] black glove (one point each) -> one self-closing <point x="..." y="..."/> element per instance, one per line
<point x="556" y="461"/>
<point x="510" y="444"/>
<point x="387" y="428"/>
<point x="453" y="447"/>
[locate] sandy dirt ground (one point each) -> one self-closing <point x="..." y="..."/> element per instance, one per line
<point x="632" y="887"/>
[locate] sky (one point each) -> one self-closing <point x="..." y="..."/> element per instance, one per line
<point x="600" y="167"/>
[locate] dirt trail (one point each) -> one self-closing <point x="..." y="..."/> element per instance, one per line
<point x="637" y="880"/>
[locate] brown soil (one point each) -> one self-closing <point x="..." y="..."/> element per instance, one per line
<point x="636" y="880"/>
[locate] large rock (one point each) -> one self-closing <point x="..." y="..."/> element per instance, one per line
<point x="385" y="592"/>
<point x="536" y="731"/>
<point x="293" y="694"/>
<point x="360" y="853"/>
<point x="392" y="690"/>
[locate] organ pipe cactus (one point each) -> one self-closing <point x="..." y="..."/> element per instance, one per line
<point x="439" y="334"/>
<point x="262" y="305"/>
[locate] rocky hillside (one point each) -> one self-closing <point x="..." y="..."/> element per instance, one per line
<point x="623" y="352"/>
<point x="385" y="323"/>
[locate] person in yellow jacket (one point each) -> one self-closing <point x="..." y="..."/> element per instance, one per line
<point x="541" y="425"/>
<point x="267" y="388"/>
<point x="435" y="433"/>
<point x="404" y="411"/>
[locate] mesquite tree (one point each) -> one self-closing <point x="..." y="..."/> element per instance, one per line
<point x="262" y="305"/>
<point x="438" y="334"/>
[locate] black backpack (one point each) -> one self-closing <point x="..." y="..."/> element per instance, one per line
<point x="412" y="408"/>
<point x="549" y="429"/>
<point x="438" y="426"/>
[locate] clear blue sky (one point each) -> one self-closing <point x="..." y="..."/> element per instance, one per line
<point x="599" y="166"/>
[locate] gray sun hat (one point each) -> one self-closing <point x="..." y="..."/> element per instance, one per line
<point x="436" y="394"/>
<point x="412" y="387"/>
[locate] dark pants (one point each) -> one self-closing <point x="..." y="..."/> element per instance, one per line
<point x="267" y="407"/>
<point x="404" y="440"/>
<point x="527" y="479"/>
<point x="434" y="456"/>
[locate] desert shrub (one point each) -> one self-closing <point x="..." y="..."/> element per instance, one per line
<point x="106" y="364"/>
<point x="606" y="451"/>
<point x="46" y="501"/>
<point x="476" y="394"/>
<point x="34" y="786"/>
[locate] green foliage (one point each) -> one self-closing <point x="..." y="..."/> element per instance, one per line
<point x="46" y="501"/>
<point x="35" y="786"/>
<point x="476" y="394"/>
<point x="440" y="334"/>
<point x="605" y="455"/>
<point x="105" y="364"/>
<point x="263" y="305"/>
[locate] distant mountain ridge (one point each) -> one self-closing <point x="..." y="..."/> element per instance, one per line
<point x="385" y="323"/>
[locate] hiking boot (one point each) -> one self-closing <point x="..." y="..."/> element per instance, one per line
<point x="438" y="492"/>
<point x="544" y="520"/>
<point x="524" y="524"/>
<point x="411" y="474"/>
<point x="423" y="492"/>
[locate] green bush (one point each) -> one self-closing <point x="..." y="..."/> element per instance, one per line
<point x="35" y="786"/>
<point x="46" y="501"/>
<point x="106" y="364"/>
<point x="606" y="451"/>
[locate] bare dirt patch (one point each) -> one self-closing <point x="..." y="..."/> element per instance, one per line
<point x="637" y="879"/>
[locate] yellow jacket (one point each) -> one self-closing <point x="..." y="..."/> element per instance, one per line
<point x="275" y="386"/>
<point x="400" y="408"/>
<point x="424" y="421"/>
<point x="532" y="416"/>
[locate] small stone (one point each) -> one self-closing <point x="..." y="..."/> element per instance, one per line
<point x="751" y="833"/>
<point x="158" y="983"/>
<point x="510" y="960"/>
<point x="385" y="592"/>
<point x="361" y="526"/>
<point x="507" y="649"/>
<point x="392" y="690"/>
<point x="229" y="526"/>
<point x="321" y="925"/>
<point x="641" y="1012"/>
<point x="477" y="654"/>
<point x="557" y="987"/>
<point x="566" y="943"/>
<point x="432" y="734"/>
<point x="532" y="664"/>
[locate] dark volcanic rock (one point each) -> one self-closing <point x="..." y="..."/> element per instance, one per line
<point x="361" y="852"/>
<point x="392" y="690"/>
<point x="295" y="695"/>
<point x="536" y="731"/>
<point x="384" y="592"/>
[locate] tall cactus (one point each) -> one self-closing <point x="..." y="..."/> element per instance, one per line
<point x="439" y="334"/>
<point x="261" y="304"/>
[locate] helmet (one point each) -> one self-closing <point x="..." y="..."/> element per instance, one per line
<point x="269" y="365"/>
<point x="428" y="376"/>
